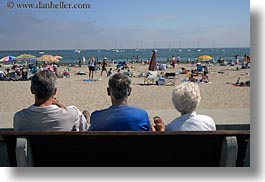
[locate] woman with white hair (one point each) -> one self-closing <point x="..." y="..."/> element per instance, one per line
<point x="186" y="98"/>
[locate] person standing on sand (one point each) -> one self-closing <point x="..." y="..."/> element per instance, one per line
<point x="119" y="116"/>
<point x="47" y="113"/>
<point x="173" y="61"/>
<point x="91" y="68"/>
<point x="104" y="66"/>
<point x="186" y="98"/>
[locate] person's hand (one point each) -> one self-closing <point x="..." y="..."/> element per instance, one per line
<point x="56" y="102"/>
<point x="159" y="123"/>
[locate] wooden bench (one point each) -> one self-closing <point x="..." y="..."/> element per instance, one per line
<point x="145" y="149"/>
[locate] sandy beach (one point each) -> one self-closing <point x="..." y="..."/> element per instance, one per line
<point x="220" y="99"/>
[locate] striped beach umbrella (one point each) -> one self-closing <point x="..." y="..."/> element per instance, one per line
<point x="25" y="57"/>
<point x="7" y="59"/>
<point x="58" y="57"/>
<point x="48" y="58"/>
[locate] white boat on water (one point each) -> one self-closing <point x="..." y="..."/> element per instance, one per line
<point x="115" y="50"/>
<point x="77" y="51"/>
<point x="41" y="52"/>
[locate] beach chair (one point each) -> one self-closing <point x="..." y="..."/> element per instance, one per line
<point x="150" y="78"/>
<point x="199" y="67"/>
<point x="170" y="78"/>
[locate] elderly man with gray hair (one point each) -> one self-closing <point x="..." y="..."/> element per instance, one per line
<point x="47" y="113"/>
<point x="186" y="98"/>
<point x="120" y="116"/>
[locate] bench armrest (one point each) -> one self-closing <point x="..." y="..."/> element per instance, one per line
<point x="23" y="153"/>
<point x="229" y="152"/>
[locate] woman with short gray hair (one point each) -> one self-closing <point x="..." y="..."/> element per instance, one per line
<point x="186" y="98"/>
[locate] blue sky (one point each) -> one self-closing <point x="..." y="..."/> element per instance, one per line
<point x="127" y="24"/>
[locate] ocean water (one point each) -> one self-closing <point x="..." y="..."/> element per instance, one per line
<point x="72" y="56"/>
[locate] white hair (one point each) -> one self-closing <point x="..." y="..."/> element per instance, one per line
<point x="186" y="97"/>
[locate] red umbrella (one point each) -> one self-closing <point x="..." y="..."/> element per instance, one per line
<point x="152" y="65"/>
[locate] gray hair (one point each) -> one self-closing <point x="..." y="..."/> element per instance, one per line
<point x="119" y="85"/>
<point x="43" y="84"/>
<point x="186" y="97"/>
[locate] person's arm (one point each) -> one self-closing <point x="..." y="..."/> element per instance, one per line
<point x="80" y="123"/>
<point x="152" y="127"/>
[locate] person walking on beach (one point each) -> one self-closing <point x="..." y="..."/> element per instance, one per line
<point x="186" y="98"/>
<point x="104" y="66"/>
<point x="91" y="68"/>
<point x="173" y="61"/>
<point x="47" y="113"/>
<point x="119" y="116"/>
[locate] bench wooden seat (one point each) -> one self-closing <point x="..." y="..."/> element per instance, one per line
<point x="145" y="149"/>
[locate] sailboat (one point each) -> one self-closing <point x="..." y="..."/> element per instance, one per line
<point x="212" y="49"/>
<point x="77" y="51"/>
<point x="169" y="49"/>
<point x="198" y="49"/>
<point x="180" y="50"/>
<point x="139" y="49"/>
<point x="115" y="50"/>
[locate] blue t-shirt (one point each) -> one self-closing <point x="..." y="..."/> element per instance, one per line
<point x="120" y="118"/>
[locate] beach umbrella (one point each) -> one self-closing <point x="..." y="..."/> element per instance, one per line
<point x="205" y="58"/>
<point x="7" y="58"/>
<point x="152" y="65"/>
<point x="25" y="57"/>
<point x="58" y="57"/>
<point x="48" y="58"/>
